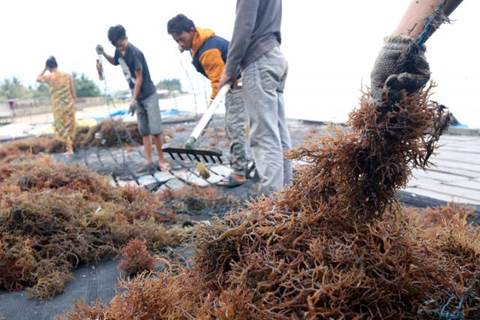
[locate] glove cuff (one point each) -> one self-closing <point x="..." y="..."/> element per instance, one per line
<point x="399" y="42"/>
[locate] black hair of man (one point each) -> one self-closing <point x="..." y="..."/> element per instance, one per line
<point x="180" y="23"/>
<point x="51" y="62"/>
<point x="116" y="33"/>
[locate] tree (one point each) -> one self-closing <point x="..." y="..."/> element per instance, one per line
<point x="85" y="87"/>
<point x="170" y="85"/>
<point x="13" y="89"/>
<point x="40" y="91"/>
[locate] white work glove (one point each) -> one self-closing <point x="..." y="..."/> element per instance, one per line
<point x="400" y="65"/>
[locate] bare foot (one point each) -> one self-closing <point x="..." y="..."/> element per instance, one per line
<point x="164" y="166"/>
<point x="69" y="150"/>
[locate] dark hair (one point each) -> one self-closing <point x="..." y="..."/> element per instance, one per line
<point x="180" y="23"/>
<point x="116" y="33"/>
<point x="51" y="62"/>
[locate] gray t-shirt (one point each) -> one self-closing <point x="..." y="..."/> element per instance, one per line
<point x="130" y="62"/>
<point x="256" y="31"/>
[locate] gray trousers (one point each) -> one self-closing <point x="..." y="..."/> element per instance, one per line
<point x="235" y="128"/>
<point x="263" y="85"/>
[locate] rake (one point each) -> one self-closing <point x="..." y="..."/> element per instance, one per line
<point x="188" y="153"/>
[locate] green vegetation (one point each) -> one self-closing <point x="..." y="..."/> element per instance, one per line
<point x="13" y="88"/>
<point x="85" y="87"/>
<point x="170" y="85"/>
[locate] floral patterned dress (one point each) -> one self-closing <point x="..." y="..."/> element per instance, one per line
<point x="63" y="105"/>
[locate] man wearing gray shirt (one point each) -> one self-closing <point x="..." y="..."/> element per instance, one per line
<point x="255" y="50"/>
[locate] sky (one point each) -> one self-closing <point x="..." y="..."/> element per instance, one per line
<point x="330" y="46"/>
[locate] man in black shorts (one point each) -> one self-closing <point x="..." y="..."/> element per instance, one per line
<point x="144" y="100"/>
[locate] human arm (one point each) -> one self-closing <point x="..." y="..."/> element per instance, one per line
<point x="109" y="58"/>
<point x="137" y="88"/>
<point x="413" y="21"/>
<point x="136" y="91"/>
<point x="213" y="66"/>
<point x="246" y="17"/>
<point x="72" y="88"/>
<point x="134" y="103"/>
<point x="42" y="77"/>
<point x="401" y="63"/>
<point x="138" y="84"/>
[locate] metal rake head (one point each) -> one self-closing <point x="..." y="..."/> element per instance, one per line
<point x="207" y="156"/>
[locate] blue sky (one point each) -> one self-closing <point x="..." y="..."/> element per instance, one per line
<point x="330" y="46"/>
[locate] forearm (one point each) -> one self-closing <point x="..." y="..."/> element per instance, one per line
<point x="215" y="88"/>
<point x="413" y="21"/>
<point x="109" y="58"/>
<point x="244" y="25"/>
<point x="40" y="76"/>
<point x="213" y="65"/>
<point x="72" y="90"/>
<point x="138" y="86"/>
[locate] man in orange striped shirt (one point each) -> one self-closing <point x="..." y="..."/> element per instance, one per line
<point x="209" y="54"/>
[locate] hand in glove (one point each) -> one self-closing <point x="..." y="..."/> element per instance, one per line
<point x="400" y="65"/>
<point x="133" y="107"/>
<point x="99" y="49"/>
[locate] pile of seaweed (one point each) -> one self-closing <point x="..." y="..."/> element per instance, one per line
<point x="335" y="245"/>
<point x="197" y="201"/>
<point x="108" y="134"/>
<point x="55" y="217"/>
<point x="136" y="258"/>
<point x="33" y="146"/>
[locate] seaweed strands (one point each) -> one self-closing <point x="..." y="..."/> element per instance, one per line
<point x="32" y="146"/>
<point x="361" y="170"/>
<point x="56" y="217"/>
<point x="135" y="258"/>
<point x="392" y="269"/>
<point x="335" y="245"/>
<point x="194" y="200"/>
<point x="106" y="134"/>
<point x="109" y="133"/>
